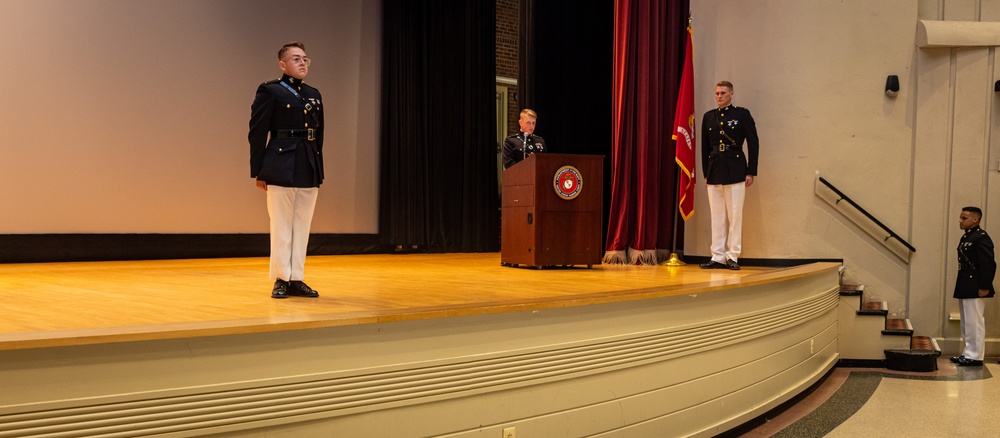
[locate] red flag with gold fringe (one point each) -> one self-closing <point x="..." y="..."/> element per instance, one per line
<point x="684" y="135"/>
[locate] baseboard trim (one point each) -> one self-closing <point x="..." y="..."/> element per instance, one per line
<point x="766" y="263"/>
<point x="861" y="363"/>
<point x="38" y="248"/>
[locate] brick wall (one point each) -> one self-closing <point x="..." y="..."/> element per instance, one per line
<point x="507" y="53"/>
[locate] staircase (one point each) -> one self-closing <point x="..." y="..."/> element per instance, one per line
<point x="870" y="338"/>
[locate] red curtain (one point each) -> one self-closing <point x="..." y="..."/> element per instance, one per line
<point x="648" y="59"/>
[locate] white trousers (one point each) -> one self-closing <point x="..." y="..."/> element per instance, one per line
<point x="971" y="311"/>
<point x="726" y="204"/>
<point x="291" y="211"/>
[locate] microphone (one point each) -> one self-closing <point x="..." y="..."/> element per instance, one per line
<point x="524" y="147"/>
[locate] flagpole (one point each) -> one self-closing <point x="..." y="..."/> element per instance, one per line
<point x="674" y="260"/>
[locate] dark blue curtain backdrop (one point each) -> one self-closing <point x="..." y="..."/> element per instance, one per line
<point x="566" y="76"/>
<point x="438" y="157"/>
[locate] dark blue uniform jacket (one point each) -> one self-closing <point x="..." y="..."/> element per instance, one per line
<point x="286" y="134"/>
<point x="723" y="131"/>
<point x="976" y="264"/>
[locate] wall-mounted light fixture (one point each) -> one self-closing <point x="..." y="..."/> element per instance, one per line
<point x="892" y="85"/>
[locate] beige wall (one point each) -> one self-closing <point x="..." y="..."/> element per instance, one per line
<point x="131" y="117"/>
<point x="955" y="163"/>
<point x="813" y="74"/>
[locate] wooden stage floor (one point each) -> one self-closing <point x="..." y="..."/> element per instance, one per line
<point x="62" y="304"/>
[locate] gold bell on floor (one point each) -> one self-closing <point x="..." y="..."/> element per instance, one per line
<point x="673" y="261"/>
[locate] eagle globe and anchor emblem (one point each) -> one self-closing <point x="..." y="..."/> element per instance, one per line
<point x="568" y="182"/>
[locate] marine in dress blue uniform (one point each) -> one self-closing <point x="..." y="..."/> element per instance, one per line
<point x="723" y="160"/>
<point x="286" y="137"/>
<point x="519" y="146"/>
<point x="728" y="171"/>
<point x="977" y="268"/>
<point x="286" y="159"/>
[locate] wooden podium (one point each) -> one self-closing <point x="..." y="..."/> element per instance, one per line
<point x="551" y="211"/>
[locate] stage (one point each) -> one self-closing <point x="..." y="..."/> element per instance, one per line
<point x="406" y="345"/>
<point x="61" y="304"/>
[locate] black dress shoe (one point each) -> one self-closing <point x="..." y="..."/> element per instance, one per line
<point x="300" y="289"/>
<point x="280" y="289"/>
<point x="732" y="265"/>
<point x="957" y="359"/>
<point x="966" y="362"/>
<point x="712" y="265"/>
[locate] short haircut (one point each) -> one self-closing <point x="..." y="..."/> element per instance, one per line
<point x="726" y="84"/>
<point x="974" y="210"/>
<point x="528" y="112"/>
<point x="284" y="48"/>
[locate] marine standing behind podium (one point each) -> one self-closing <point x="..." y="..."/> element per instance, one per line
<point x="728" y="172"/>
<point x="977" y="267"/>
<point x="519" y="146"/>
<point x="286" y="158"/>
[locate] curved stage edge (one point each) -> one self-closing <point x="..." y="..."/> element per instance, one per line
<point x="691" y="359"/>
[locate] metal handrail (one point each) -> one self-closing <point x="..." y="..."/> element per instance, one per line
<point x="844" y="197"/>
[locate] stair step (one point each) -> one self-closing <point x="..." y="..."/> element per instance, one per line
<point x="924" y="343"/>
<point x="874" y="308"/>
<point x="898" y="327"/>
<point x="896" y="324"/>
<point x="872" y="305"/>
<point x="852" y="289"/>
<point x="921" y="357"/>
<point x="911" y="360"/>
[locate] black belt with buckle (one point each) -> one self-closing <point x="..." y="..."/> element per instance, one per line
<point x="308" y="134"/>
<point x="725" y="147"/>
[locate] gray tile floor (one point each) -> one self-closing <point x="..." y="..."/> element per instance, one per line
<point x="875" y="402"/>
